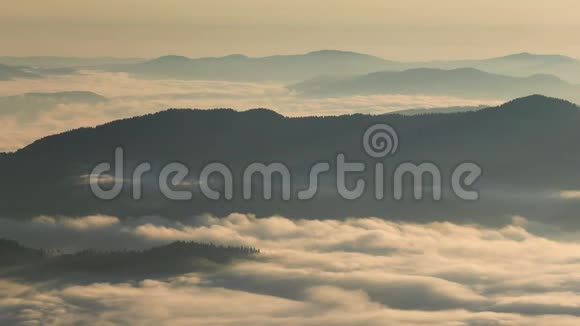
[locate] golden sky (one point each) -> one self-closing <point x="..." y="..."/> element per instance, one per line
<point x="406" y="30"/>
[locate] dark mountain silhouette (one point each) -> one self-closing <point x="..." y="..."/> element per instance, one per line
<point x="526" y="148"/>
<point x="13" y="72"/>
<point x="17" y="261"/>
<point x="242" y="68"/>
<point x="463" y="82"/>
<point x="13" y="253"/>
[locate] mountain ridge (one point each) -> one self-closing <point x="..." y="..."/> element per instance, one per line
<point x="265" y="112"/>
<point x="459" y="82"/>
<point x="297" y="67"/>
<point x="503" y="140"/>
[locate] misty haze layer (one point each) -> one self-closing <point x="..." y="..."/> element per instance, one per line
<point x="98" y="98"/>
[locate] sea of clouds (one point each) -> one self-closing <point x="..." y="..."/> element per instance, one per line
<point x="359" y="271"/>
<point x="128" y="97"/>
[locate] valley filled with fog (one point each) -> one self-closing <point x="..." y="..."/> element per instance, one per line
<point x="509" y="257"/>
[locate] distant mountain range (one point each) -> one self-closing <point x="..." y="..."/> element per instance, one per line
<point x="340" y="73"/>
<point x="461" y="82"/>
<point x="52" y="62"/>
<point x="69" y="96"/>
<point x="293" y="68"/>
<point x="238" y="67"/>
<point x="8" y="72"/>
<point x="520" y="65"/>
<point x="527" y="149"/>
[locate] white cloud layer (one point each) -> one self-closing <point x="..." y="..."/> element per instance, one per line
<point x="362" y="271"/>
<point x="132" y="97"/>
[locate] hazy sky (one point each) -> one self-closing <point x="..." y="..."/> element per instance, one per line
<point x="398" y="29"/>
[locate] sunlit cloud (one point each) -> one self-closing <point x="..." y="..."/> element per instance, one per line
<point x="346" y="272"/>
<point x="569" y="194"/>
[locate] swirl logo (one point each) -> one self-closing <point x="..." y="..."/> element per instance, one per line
<point x="380" y="140"/>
